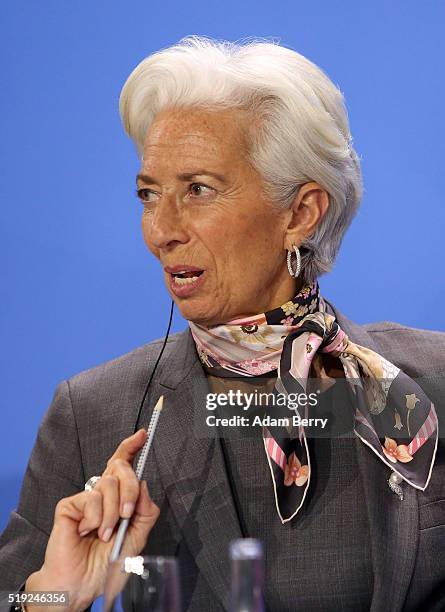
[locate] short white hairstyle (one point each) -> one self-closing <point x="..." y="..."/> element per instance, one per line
<point x="300" y="132"/>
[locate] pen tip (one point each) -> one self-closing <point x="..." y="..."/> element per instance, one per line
<point x="160" y="403"/>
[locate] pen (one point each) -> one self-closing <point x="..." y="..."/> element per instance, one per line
<point x="123" y="526"/>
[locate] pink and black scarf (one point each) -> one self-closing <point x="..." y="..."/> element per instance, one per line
<point x="393" y="416"/>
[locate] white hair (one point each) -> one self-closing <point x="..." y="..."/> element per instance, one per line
<point x="300" y="133"/>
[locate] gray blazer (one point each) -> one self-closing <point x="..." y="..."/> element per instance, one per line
<point x="93" y="411"/>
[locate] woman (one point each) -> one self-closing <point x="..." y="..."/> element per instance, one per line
<point x="248" y="182"/>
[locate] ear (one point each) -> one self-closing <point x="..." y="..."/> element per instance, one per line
<point x="307" y="210"/>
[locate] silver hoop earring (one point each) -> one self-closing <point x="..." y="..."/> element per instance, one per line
<point x="296" y="269"/>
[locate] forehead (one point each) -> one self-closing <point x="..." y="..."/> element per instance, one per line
<point x="196" y="136"/>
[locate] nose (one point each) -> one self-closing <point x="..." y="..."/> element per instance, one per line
<point x="166" y="228"/>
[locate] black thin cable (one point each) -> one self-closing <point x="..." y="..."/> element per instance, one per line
<point x="156" y="365"/>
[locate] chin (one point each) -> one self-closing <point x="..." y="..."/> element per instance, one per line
<point x="194" y="312"/>
<point x="201" y="319"/>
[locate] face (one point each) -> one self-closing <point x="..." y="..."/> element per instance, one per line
<point x="205" y="217"/>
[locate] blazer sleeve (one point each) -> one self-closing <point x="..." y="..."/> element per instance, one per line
<point x="54" y="471"/>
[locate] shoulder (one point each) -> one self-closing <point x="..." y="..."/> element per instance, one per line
<point x="104" y="401"/>
<point x="125" y="371"/>
<point x="420" y="351"/>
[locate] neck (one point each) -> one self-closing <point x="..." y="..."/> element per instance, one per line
<point x="286" y="292"/>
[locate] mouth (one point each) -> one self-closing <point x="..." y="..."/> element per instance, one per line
<point x="184" y="280"/>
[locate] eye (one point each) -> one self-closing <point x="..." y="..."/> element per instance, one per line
<point x="199" y="190"/>
<point x="146" y="195"/>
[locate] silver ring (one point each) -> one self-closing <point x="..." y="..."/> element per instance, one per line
<point x="91" y="483"/>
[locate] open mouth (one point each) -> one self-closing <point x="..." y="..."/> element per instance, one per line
<point x="186" y="277"/>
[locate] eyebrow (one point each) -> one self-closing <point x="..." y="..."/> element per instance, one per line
<point x="185" y="176"/>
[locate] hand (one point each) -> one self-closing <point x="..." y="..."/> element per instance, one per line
<point x="84" y="529"/>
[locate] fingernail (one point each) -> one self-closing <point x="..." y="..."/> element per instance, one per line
<point x="107" y="534"/>
<point x="127" y="510"/>
<point x="84" y="533"/>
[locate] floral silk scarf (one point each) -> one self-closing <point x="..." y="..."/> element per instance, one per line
<point x="290" y="340"/>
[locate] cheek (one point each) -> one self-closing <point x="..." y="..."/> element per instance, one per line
<point x="257" y="240"/>
<point x="245" y="238"/>
<point x="146" y="233"/>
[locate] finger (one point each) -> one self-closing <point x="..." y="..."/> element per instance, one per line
<point x="92" y="509"/>
<point x="78" y="513"/>
<point x="146" y="512"/>
<point x="109" y="488"/>
<point x="129" y="487"/>
<point x="129" y="447"/>
<point x="144" y="518"/>
<point x="145" y="509"/>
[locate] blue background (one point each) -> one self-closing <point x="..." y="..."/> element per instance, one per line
<point x="78" y="285"/>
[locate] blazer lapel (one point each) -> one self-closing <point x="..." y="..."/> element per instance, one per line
<point x="393" y="524"/>
<point x="191" y="467"/>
